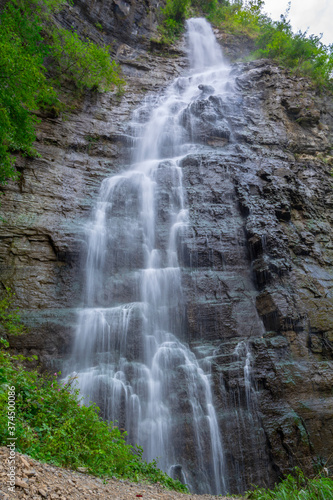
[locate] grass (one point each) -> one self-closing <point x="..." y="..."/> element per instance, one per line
<point x="296" y="487"/>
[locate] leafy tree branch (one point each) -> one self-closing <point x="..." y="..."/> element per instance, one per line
<point x="28" y="37"/>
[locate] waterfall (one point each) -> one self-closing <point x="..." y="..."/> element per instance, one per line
<point x="243" y="402"/>
<point x="130" y="352"/>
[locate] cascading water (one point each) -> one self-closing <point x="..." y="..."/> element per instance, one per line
<point x="244" y="416"/>
<point x="130" y="353"/>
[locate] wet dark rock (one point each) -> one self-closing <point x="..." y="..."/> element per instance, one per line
<point x="261" y="207"/>
<point x="204" y="121"/>
<point x="113" y="22"/>
<point x="206" y="89"/>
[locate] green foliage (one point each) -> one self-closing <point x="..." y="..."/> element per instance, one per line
<point x="53" y="426"/>
<point x="29" y="37"/>
<point x="303" y="54"/>
<point x="237" y="18"/>
<point x="10" y="324"/>
<point x="83" y="61"/>
<point x="206" y="6"/>
<point x="296" y="487"/>
<point x="233" y="16"/>
<point x="176" y="9"/>
<point x="10" y="319"/>
<point x="244" y="19"/>
<point x="23" y="84"/>
<point x="174" y="14"/>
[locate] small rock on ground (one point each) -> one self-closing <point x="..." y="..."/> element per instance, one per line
<point x="36" y="481"/>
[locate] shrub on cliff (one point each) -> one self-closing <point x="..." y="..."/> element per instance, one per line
<point x="23" y="85"/>
<point x="303" y="54"/>
<point x="173" y="14"/>
<point x="28" y="37"/>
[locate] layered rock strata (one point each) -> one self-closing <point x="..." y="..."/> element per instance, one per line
<point x="258" y="267"/>
<point x="257" y="257"/>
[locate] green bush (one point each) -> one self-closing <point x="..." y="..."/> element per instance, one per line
<point x="53" y="426"/>
<point x="10" y="319"/>
<point x="296" y="487"/>
<point x="29" y="37"/>
<point x="174" y="14"/>
<point x="23" y="85"/>
<point x="304" y="55"/>
<point x="176" y="10"/>
<point x="83" y="62"/>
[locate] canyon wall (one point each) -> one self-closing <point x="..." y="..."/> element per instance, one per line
<point x="257" y="256"/>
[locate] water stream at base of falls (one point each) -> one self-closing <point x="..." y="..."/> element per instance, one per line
<point x="130" y="355"/>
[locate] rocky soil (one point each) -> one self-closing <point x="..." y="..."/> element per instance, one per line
<point x="35" y="480"/>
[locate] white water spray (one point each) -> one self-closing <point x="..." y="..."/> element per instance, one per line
<point x="128" y="353"/>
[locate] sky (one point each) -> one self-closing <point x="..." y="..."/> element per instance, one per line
<point x="317" y="15"/>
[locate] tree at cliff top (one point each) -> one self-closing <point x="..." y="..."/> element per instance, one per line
<point x="29" y="36"/>
<point x="303" y="54"/>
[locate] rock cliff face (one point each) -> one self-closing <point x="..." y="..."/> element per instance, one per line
<point x="257" y="258"/>
<point x="258" y="267"/>
<point x="44" y="214"/>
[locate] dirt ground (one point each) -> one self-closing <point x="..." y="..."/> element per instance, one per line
<point x="35" y="480"/>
